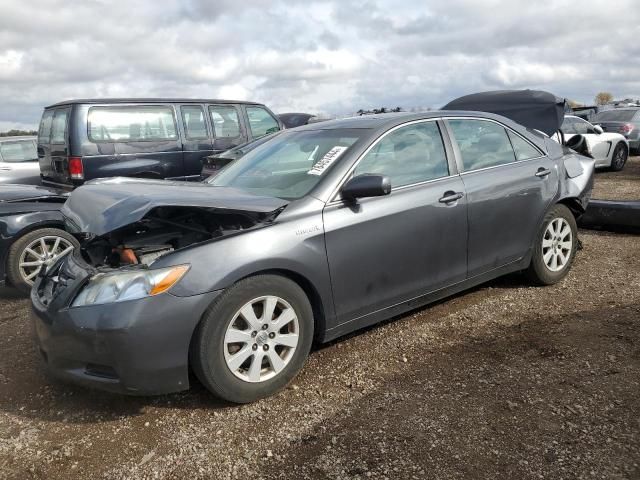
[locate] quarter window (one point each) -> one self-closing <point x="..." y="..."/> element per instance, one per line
<point x="261" y="122"/>
<point x="225" y="121"/>
<point x="194" y="123"/>
<point x="524" y="150"/>
<point x="132" y="124"/>
<point x="44" y="132"/>
<point x="482" y="143"/>
<point x="59" y="126"/>
<point x="410" y="154"/>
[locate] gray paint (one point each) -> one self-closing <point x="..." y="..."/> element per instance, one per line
<point x="362" y="262"/>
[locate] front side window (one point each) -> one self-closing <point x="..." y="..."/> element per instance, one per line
<point x="482" y="143"/>
<point x="18" y="151"/>
<point x="225" y="121"/>
<point x="261" y="122"/>
<point x="572" y="126"/>
<point x="44" y="132"/>
<point x="410" y="154"/>
<point x="524" y="150"/>
<point x="59" y="126"/>
<point x="290" y="164"/>
<point x="132" y="124"/>
<point x="194" y="123"/>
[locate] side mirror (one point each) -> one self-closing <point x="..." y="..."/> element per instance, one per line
<point x="598" y="129"/>
<point x="366" y="185"/>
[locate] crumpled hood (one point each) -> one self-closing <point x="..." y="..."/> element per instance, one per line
<point x="100" y="207"/>
<point x="25" y="193"/>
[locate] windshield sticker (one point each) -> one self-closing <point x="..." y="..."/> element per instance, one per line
<point x="326" y="161"/>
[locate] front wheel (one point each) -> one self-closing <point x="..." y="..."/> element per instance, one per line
<point x="254" y="339"/>
<point x="555" y="247"/>
<point x="619" y="157"/>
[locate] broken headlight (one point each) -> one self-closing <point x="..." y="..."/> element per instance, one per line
<point x="121" y="286"/>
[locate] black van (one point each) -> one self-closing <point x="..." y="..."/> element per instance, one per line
<point x="81" y="140"/>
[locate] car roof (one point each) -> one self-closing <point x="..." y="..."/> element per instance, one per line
<point x="149" y="100"/>
<point x="18" y="137"/>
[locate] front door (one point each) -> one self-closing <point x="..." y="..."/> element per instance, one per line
<point x="509" y="185"/>
<point x="387" y="250"/>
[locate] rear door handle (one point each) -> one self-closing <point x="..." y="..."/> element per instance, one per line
<point x="542" y="172"/>
<point x="451" y="196"/>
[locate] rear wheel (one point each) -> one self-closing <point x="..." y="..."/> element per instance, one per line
<point x="254" y="339"/>
<point x="619" y="157"/>
<point x="34" y="250"/>
<point x="555" y="247"/>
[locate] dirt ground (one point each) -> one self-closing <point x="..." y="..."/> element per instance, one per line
<point x="505" y="381"/>
<point x="624" y="185"/>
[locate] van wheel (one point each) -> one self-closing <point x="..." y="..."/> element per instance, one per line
<point x="555" y="247"/>
<point x="253" y="339"/>
<point x="34" y="250"/>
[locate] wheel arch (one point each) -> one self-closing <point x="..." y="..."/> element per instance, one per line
<point x="574" y="205"/>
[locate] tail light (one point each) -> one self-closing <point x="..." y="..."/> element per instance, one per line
<point x="626" y="129"/>
<point x="76" y="170"/>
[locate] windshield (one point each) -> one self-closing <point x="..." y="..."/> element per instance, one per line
<point x="289" y="165"/>
<point x="18" y="151"/>
<point x="616" y="115"/>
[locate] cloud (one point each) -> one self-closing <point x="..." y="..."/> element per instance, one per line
<point x="325" y="56"/>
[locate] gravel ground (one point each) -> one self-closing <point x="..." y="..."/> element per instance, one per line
<point x="505" y="381"/>
<point x="624" y="185"/>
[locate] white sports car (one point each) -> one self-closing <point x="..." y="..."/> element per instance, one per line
<point x="608" y="149"/>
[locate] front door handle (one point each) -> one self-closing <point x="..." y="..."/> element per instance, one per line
<point x="451" y="196"/>
<point x="5" y="169"/>
<point x="542" y="172"/>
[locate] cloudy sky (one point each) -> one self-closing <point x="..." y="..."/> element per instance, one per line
<point x="332" y="57"/>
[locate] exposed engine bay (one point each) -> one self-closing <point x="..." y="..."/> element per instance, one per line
<point x="163" y="230"/>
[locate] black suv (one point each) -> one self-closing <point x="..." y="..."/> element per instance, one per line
<point x="80" y="140"/>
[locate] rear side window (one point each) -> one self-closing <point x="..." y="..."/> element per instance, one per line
<point x="59" y="126"/>
<point x="524" y="150"/>
<point x="261" y="122"/>
<point x="132" y="124"/>
<point x="194" y="123"/>
<point x="225" y="121"/>
<point x="44" y="132"/>
<point x="408" y="155"/>
<point x="18" y="151"/>
<point x="482" y="143"/>
<point x="616" y="115"/>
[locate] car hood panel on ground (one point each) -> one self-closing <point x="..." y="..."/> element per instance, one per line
<point x="104" y="206"/>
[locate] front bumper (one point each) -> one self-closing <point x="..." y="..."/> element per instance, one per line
<point x="138" y="347"/>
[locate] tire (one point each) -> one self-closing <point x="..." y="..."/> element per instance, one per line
<point x="541" y="269"/>
<point x="619" y="157"/>
<point x="213" y="353"/>
<point x="16" y="273"/>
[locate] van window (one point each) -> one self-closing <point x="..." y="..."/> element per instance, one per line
<point x="59" y="126"/>
<point x="132" y="124"/>
<point x="194" y="123"/>
<point x="18" y="151"/>
<point x="44" y="131"/>
<point x="261" y="122"/>
<point x="225" y="121"/>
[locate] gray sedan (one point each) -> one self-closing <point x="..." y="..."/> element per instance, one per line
<point x="19" y="161"/>
<point x="318" y="232"/>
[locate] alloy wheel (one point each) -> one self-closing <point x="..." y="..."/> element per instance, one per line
<point x="261" y="339"/>
<point x="619" y="157"/>
<point x="557" y="243"/>
<point x="43" y="251"/>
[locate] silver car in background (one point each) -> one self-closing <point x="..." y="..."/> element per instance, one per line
<point x="19" y="161"/>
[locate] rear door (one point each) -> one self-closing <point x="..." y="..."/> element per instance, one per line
<point x="44" y="149"/>
<point x="197" y="140"/>
<point x="509" y="185"/>
<point x="53" y="144"/>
